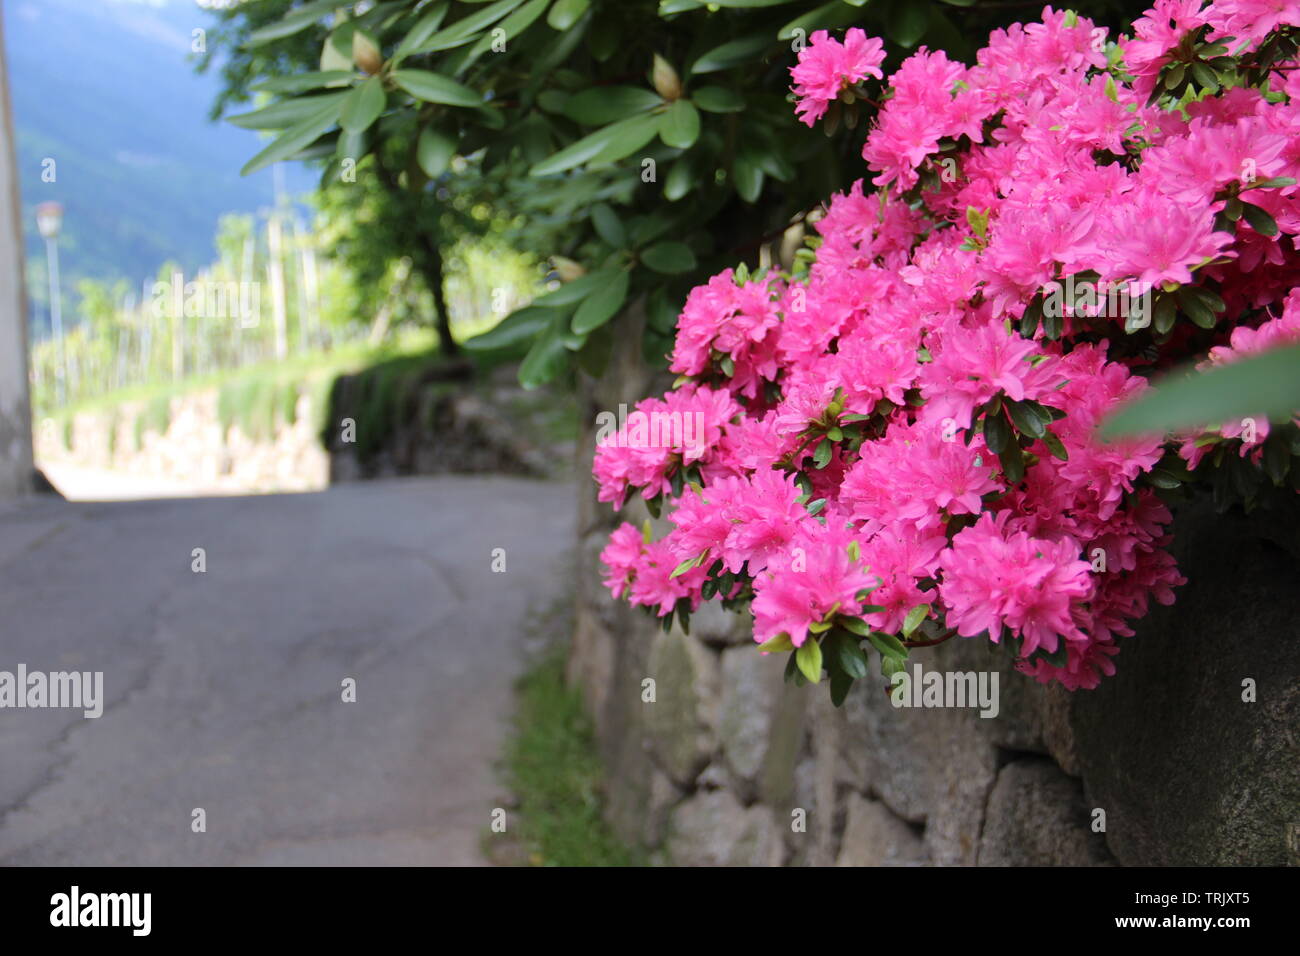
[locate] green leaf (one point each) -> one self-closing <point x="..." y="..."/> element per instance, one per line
<point x="295" y="21"/>
<point x="997" y="433"/>
<point x="1196" y="308"/>
<point x="1264" y="384"/>
<point x="296" y="138"/>
<point x="284" y="113"/>
<point x="465" y="29"/>
<point x="565" y="13"/>
<point x="424" y="28"/>
<point x="914" y="618"/>
<point x="604" y="142"/>
<point x="841" y="684"/>
<point x="822" y="456"/>
<point x="640" y="130"/>
<point x="908" y="22"/>
<point x="545" y="360"/>
<point x="302" y="82"/>
<point x="1055" y="447"/>
<point x="826" y="17"/>
<point x="846" y="654"/>
<point x="362" y="106"/>
<point x="512" y="26"/>
<point x="1205" y="77"/>
<point x="517" y="327"/>
<point x="1259" y="219"/>
<point x="1013" y="462"/>
<point x="777" y="644"/>
<point x="601" y="306"/>
<point x="856" y="625"/>
<point x="605" y="104"/>
<point x="888" y="645"/>
<point x="732" y="54"/>
<point x="436" y="88"/>
<point x="748" y="177"/>
<point x="679" y="127"/>
<point x="669" y="257"/>
<point x="1027" y="420"/>
<point x="608" y="226"/>
<point x="434" y="151"/>
<point x="570" y="292"/>
<point x="809" y="660"/>
<point x="681" y="179"/>
<point x="719" y="99"/>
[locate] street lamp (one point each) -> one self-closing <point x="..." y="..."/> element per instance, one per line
<point x="49" y="218"/>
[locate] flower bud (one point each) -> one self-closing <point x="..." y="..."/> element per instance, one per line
<point x="365" y="53"/>
<point x="666" y="81"/>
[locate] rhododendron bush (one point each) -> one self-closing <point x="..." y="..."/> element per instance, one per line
<point x="898" y="438"/>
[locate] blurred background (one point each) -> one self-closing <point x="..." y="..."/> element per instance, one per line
<point x="196" y="316"/>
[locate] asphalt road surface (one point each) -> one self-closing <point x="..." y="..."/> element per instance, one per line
<point x="223" y="690"/>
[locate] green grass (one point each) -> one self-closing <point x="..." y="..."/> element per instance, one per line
<point x="553" y="770"/>
<point x="256" y="396"/>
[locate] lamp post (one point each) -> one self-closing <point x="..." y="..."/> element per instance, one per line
<point x="49" y="219"/>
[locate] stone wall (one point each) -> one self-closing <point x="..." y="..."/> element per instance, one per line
<point x="194" y="449"/>
<point x="728" y="761"/>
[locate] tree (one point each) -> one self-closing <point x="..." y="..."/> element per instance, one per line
<point x="665" y="130"/>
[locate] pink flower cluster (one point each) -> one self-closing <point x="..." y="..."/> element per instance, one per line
<point x="896" y="431"/>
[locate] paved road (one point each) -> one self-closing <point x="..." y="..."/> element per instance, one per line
<point x="223" y="689"/>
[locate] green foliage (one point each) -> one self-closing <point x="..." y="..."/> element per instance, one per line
<point x="553" y="769"/>
<point x="1265" y="385"/>
<point x="595" y="121"/>
<point x="155" y="416"/>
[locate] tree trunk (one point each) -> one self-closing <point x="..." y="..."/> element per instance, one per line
<point x="431" y="267"/>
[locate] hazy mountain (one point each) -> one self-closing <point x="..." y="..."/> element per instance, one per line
<point x="107" y="89"/>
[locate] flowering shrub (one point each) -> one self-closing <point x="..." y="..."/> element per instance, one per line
<point x="900" y="435"/>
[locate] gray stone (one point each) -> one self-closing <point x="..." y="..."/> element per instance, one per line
<point x="875" y="837"/>
<point x="713" y="829"/>
<point x="1036" y="817"/>
<point x="713" y="624"/>
<point x="683" y="717"/>
<point x="931" y="766"/>
<point x="1187" y="772"/>
<point x="751" y="686"/>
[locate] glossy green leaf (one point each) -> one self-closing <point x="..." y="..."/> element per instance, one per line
<point x="296" y="138"/>
<point x="1264" y="384"/>
<point x="565" y="13"/>
<point x="808" y="658"/>
<point x="284" y="113"/>
<point x="606" y="104"/>
<point x="303" y="82"/>
<point x="748" y="177"/>
<point x="908" y="22"/>
<point x="295" y="21"/>
<point x="520" y="326"/>
<point x="718" y="99"/>
<point x="608" y="226"/>
<point x="545" y="360"/>
<point x="436" y="88"/>
<point x="669" y="257"/>
<point x="362" y="105"/>
<point x="602" y="304"/>
<point x="679" y="127"/>
<point x="731" y="54"/>
<point x="466" y="29"/>
<point x="434" y="151"/>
